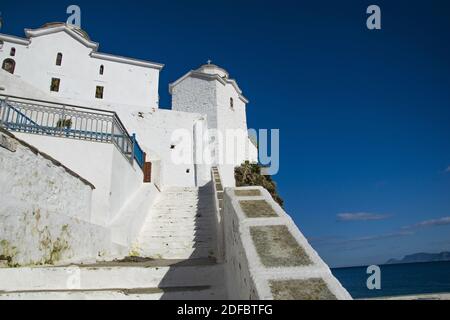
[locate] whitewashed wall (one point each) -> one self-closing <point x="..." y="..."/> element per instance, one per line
<point x="42" y="211"/>
<point x="123" y="83"/>
<point x="211" y="97"/>
<point x="155" y="133"/>
<point x="196" y="96"/>
<point x="114" y="178"/>
<point x="125" y="228"/>
<point x="154" y="129"/>
<point x="247" y="276"/>
<point x="13" y="85"/>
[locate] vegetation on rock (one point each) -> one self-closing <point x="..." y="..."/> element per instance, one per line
<point x="249" y="174"/>
<point x="64" y="123"/>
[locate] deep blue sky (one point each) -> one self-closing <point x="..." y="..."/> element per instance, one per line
<point x="364" y="116"/>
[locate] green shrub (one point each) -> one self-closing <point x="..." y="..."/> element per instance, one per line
<point x="64" y="123"/>
<point x="249" y="174"/>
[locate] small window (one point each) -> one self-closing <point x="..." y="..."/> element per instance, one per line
<point x="59" y="59"/>
<point x="54" y="86"/>
<point x="9" y="65"/>
<point x="231" y="103"/>
<point x="1" y="44"/>
<point x="102" y="69"/>
<point x="12" y="53"/>
<point x="99" y="92"/>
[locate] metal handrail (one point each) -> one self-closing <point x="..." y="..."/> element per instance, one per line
<point x="67" y="105"/>
<point x="68" y="121"/>
<point x="139" y="154"/>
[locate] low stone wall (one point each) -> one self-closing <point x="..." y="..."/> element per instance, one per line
<point x="115" y="180"/>
<point x="218" y="203"/>
<point x="266" y="256"/>
<point x="126" y="227"/>
<point x="43" y="205"/>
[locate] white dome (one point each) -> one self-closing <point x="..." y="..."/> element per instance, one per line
<point x="213" y="69"/>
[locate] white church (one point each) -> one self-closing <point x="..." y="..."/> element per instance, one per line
<point x="107" y="196"/>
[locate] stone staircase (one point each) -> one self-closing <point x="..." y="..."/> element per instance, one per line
<point x="176" y="249"/>
<point x="181" y="226"/>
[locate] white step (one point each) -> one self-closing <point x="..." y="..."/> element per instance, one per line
<point x="190" y="293"/>
<point x="193" y="212"/>
<point x="185" y="238"/>
<point x="104" y="277"/>
<point x="187" y="225"/>
<point x="182" y="225"/>
<point x="177" y="232"/>
<point x="177" y="246"/>
<point x="190" y="253"/>
<point x="183" y="216"/>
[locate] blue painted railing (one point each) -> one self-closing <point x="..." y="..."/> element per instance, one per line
<point x="68" y="121"/>
<point x="138" y="153"/>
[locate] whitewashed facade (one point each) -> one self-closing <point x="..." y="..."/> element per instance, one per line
<point x="64" y="52"/>
<point x="209" y="90"/>
<point x="206" y="98"/>
<point x="60" y="63"/>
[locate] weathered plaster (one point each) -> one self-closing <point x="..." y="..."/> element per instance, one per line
<point x="271" y="251"/>
<point x="276" y="247"/>
<point x="247" y="193"/>
<point x="43" y="205"/>
<point x="257" y="209"/>
<point x="310" y="289"/>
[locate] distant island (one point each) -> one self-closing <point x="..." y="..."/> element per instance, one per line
<point x="421" y="257"/>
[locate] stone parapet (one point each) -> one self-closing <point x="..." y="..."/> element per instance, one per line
<point x="266" y="255"/>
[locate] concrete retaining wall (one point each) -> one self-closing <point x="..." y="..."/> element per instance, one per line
<point x="115" y="180"/>
<point x="266" y="256"/>
<point x="43" y="205"/>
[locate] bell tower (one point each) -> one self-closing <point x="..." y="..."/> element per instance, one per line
<point x="211" y="92"/>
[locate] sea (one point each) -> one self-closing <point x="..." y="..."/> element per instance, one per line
<point x="397" y="279"/>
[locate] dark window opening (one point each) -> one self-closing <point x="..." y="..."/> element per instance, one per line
<point x="99" y="92"/>
<point x="188" y="170"/>
<point x="12" y="53"/>
<point x="54" y="86"/>
<point x="102" y="69"/>
<point x="9" y="65"/>
<point x="172" y="146"/>
<point x="1" y="44"/>
<point x="231" y="103"/>
<point x="59" y="59"/>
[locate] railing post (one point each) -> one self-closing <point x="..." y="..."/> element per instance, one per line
<point x="133" y="147"/>
<point x="62" y="120"/>
<point x="112" y="131"/>
<point x="2" y="111"/>
<point x="8" y="109"/>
